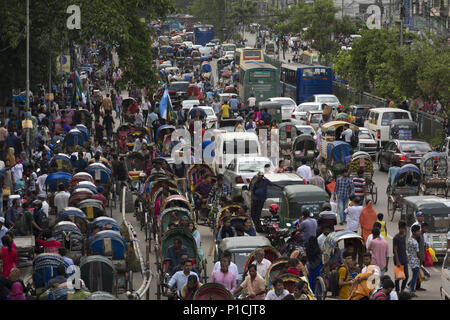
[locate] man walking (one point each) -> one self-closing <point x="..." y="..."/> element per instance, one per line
<point x="304" y="171"/>
<point x="413" y="258"/>
<point x="344" y="187"/>
<point x="317" y="180"/>
<point x="400" y="255"/>
<point x="379" y="249"/>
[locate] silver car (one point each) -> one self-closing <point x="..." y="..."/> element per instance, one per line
<point x="367" y="142"/>
<point x="240" y="172"/>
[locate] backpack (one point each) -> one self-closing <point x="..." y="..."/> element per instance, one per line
<point x="334" y="281"/>
<point x="42" y="220"/>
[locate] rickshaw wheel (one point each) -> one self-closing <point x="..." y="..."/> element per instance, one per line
<point x="321" y="289"/>
<point x="391" y="208"/>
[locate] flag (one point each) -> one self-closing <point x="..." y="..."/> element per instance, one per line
<point x="165" y="107"/>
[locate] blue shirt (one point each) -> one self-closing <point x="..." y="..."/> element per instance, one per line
<point x="309" y="228"/>
<point x="342" y="187"/>
<point x="233" y="103"/>
<point x="260" y="189"/>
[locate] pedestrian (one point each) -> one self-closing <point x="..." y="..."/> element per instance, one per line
<point x="347" y="133"/>
<point x="353" y="214"/>
<point x="413" y="258"/>
<point x="145" y="107"/>
<point x="383" y="228"/>
<point x="314" y="265"/>
<point x="359" y="183"/>
<point x="224" y="276"/>
<point x="385" y="291"/>
<point x="304" y="171"/>
<point x="108" y="123"/>
<point x="400" y="254"/>
<point x="317" y="179"/>
<point x="366" y="220"/>
<point x="8" y="256"/>
<point x="343" y="189"/>
<point x="118" y="104"/>
<point x="379" y="249"/>
<point x="344" y="275"/>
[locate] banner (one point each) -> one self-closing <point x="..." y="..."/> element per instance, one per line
<point x="65" y="62"/>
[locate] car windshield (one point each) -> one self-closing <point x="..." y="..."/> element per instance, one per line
<point x="364" y="135"/>
<point x="328" y="99"/>
<point x="361" y="112"/>
<point x="209" y="112"/>
<point x="284" y="102"/>
<point x="309" y="107"/>
<point x="305" y="130"/>
<point x="254" y="166"/>
<point x="389" y="116"/>
<point x="179" y="86"/>
<point x="275" y="192"/>
<point x="316" y="117"/>
<point x="415" y="147"/>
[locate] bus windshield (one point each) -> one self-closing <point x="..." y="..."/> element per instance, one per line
<point x="261" y="76"/>
<point x="252" y="54"/>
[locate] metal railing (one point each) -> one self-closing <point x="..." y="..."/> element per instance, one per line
<point x="348" y="95"/>
<point x="428" y="124"/>
<point x="147" y="274"/>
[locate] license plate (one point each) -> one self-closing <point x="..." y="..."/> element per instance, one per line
<point x="419" y="160"/>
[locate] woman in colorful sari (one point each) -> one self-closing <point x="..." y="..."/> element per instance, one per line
<point x="366" y="220"/>
<point x="190" y="288"/>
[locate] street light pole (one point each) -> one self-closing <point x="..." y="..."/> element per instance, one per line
<point x="28" y="58"/>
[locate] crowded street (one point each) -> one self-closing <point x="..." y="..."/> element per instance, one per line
<point x="166" y="156"/>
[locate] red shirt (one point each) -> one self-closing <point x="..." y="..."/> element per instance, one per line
<point x="293" y="270"/>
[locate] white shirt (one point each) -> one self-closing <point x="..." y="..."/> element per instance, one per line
<point x="61" y="201"/>
<point x="251" y="101"/>
<point x="347" y="134"/>
<point x="304" y="172"/>
<point x="41" y="183"/>
<point x="138" y="144"/>
<point x="262" y="267"/>
<point x="271" y="295"/>
<point x="45" y="207"/>
<point x="17" y="171"/>
<point x="232" y="268"/>
<point x="145" y="105"/>
<point x="370" y="238"/>
<point x="321" y="240"/>
<point x="3" y="231"/>
<point x="353" y="213"/>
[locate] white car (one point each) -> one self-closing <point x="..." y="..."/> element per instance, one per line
<point x="328" y="99"/>
<point x="211" y="118"/>
<point x="241" y="171"/>
<point x="206" y="51"/>
<point x="287" y="105"/>
<point x="302" y="109"/>
<point x="367" y="142"/>
<point x="445" y="277"/>
<point x="229" y="55"/>
<point x="196" y="46"/>
<point x="186" y="105"/>
<point x="188" y="44"/>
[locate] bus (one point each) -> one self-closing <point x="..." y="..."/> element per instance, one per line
<point x="245" y="55"/>
<point x="309" y="58"/>
<point x="300" y="81"/>
<point x="260" y="79"/>
<point x="203" y="34"/>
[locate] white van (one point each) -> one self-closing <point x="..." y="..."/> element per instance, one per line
<point x="379" y="119"/>
<point x="231" y="145"/>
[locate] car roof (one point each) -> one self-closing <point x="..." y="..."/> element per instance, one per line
<point x="409" y="141"/>
<point x="324" y="95"/>
<point x="281" y="98"/>
<point x="179" y="82"/>
<point x="250" y="159"/>
<point x="388" y="109"/>
<point x="240" y="135"/>
<point x="275" y="177"/>
<point x="310" y="103"/>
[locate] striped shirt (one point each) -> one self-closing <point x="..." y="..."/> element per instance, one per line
<point x="359" y="184"/>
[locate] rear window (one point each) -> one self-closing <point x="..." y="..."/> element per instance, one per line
<point x="261" y="76"/>
<point x="316" y="117"/>
<point x="437" y="223"/>
<point x="361" y="112"/>
<point x="179" y="86"/>
<point x="328" y="99"/>
<point x="305" y="130"/>
<point x="389" y="116"/>
<point x="255" y="166"/>
<point x="364" y="135"/>
<point x="274" y="192"/>
<point x="415" y="147"/>
<point x="309" y="107"/>
<point x="240" y="147"/>
<point x="209" y="112"/>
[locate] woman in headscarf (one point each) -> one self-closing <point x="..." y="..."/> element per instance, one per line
<point x="226" y="230"/>
<point x="11" y="157"/>
<point x="16" y="292"/>
<point x="366" y="220"/>
<point x="314" y="264"/>
<point x="189" y="289"/>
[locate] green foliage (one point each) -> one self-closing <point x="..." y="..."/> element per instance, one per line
<point x="114" y="22"/>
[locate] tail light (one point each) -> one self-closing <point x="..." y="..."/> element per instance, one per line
<point x="239" y="180"/>
<point x="308" y="122"/>
<point x="172" y="91"/>
<point x="402" y="158"/>
<point x="220" y="166"/>
<point x="378" y="134"/>
<point x="293" y="116"/>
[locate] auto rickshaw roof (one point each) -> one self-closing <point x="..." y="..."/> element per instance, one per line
<point x="403" y="122"/>
<point x="244" y="242"/>
<point x="429" y="204"/>
<point x="305" y="193"/>
<point x="333" y="125"/>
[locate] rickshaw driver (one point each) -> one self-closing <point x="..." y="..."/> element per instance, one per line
<point x="140" y="187"/>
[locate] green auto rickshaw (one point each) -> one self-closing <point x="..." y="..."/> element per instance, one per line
<point x="297" y="198"/>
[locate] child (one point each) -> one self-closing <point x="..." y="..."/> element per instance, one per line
<point x="383" y="229"/>
<point x="352" y="199"/>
